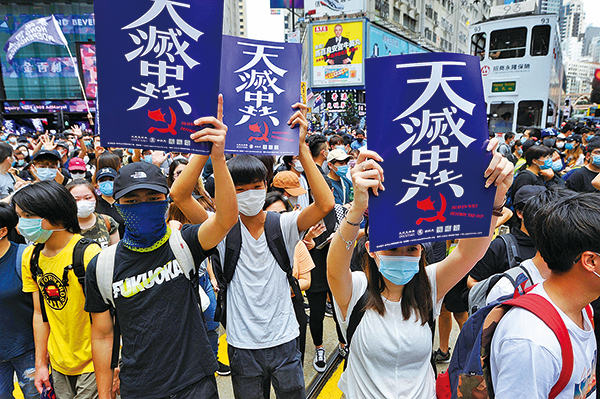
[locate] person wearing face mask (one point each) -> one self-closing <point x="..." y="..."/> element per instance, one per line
<point x="101" y="228"/>
<point x="337" y="160"/>
<point x="48" y="217"/>
<point x="295" y="166"/>
<point x="581" y="179"/>
<point x="319" y="150"/>
<point x="46" y="166"/>
<point x="12" y="140"/>
<point x="574" y="156"/>
<point x="504" y="148"/>
<point x="17" y="351"/>
<point x="289" y="184"/>
<point x="7" y="179"/>
<point x="360" y="141"/>
<point x="257" y="352"/>
<point x="538" y="159"/>
<point x="391" y="345"/>
<point x="78" y="170"/>
<point x="165" y="348"/>
<point x="106" y="205"/>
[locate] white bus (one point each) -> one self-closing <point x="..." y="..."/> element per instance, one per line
<point x="522" y="70"/>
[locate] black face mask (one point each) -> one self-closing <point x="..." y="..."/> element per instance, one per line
<point x="360" y="140"/>
<point x="549" y="142"/>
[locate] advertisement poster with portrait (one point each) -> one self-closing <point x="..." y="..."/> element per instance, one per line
<point x="337" y="54"/>
<point x="86" y="55"/>
<point x="382" y="43"/>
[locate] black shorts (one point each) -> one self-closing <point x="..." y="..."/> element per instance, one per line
<point x="453" y="299"/>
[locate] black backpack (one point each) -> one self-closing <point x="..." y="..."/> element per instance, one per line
<point x="77" y="266"/>
<point x="233" y="246"/>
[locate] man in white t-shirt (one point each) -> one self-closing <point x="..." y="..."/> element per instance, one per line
<point x="262" y="329"/>
<point x="526" y="356"/>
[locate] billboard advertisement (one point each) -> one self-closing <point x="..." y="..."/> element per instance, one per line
<point x="288" y="3"/>
<point x="337" y="54"/>
<point x="333" y="7"/>
<point x="382" y="43"/>
<point x="86" y="54"/>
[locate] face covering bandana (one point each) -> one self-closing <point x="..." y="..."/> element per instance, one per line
<point x="106" y="188"/>
<point x="251" y="202"/>
<point x="557" y="165"/>
<point x="547" y="164"/>
<point x="46" y="174"/>
<point x="596" y="160"/>
<point x="298" y="166"/>
<point x="398" y="269"/>
<point x="85" y="208"/>
<point x="342" y="170"/>
<point x="145" y="225"/>
<point x="32" y="230"/>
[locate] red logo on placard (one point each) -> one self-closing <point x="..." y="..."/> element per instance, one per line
<point x="321" y="28"/>
<point x="158" y="116"/>
<point x="255" y="128"/>
<point x="485" y="70"/>
<point x="428" y="205"/>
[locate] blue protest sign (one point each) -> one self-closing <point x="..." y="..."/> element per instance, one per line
<point x="42" y="30"/>
<point x="260" y="82"/>
<point x="427" y="120"/>
<point x="158" y="70"/>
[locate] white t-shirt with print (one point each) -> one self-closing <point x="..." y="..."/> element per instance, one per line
<point x="260" y="313"/>
<point x="505" y="287"/>
<point x="526" y="356"/>
<point x="389" y="357"/>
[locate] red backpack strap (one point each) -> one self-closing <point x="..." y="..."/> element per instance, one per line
<point x="588" y="310"/>
<point x="543" y="309"/>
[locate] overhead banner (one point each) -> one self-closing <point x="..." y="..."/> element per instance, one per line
<point x="382" y="43"/>
<point x="42" y="30"/>
<point x="337" y="54"/>
<point x="427" y="120"/>
<point x="86" y="54"/>
<point x="158" y="71"/>
<point x="287" y="3"/>
<point x="334" y="7"/>
<point x="260" y="82"/>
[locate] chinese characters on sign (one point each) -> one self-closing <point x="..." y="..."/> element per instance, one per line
<point x="158" y="70"/>
<point x="428" y="120"/>
<point x="260" y="82"/>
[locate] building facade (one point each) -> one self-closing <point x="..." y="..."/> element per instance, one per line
<point x="579" y="77"/>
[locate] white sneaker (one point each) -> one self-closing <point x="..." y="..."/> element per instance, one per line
<point x="332" y="4"/>
<point x="320" y="363"/>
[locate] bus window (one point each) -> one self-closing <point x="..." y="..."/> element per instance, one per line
<point x="530" y="113"/>
<point x="540" y="40"/>
<point x="508" y="43"/>
<point x="501" y="117"/>
<point x="478" y="45"/>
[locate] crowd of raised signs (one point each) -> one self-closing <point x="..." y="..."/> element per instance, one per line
<point x="107" y="254"/>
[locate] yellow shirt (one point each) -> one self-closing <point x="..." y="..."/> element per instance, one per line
<point x="69" y="342"/>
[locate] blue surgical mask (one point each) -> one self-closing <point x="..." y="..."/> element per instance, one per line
<point x="398" y="269"/>
<point x="569" y="146"/>
<point x="106" y="187"/>
<point x="547" y="164"/>
<point x="32" y="230"/>
<point x="148" y="158"/>
<point x="145" y="224"/>
<point x="342" y="170"/>
<point x="46" y="174"/>
<point x="520" y="151"/>
<point x="557" y="165"/>
<point x="596" y="160"/>
<point x="340" y="147"/>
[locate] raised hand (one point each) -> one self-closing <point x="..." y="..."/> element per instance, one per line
<point x="367" y="174"/>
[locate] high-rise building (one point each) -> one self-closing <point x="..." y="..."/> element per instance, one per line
<point x="579" y="76"/>
<point x="572" y="19"/>
<point x="242" y="17"/>
<point x="591" y="34"/>
<point x="549" y="6"/>
<point x="232" y="21"/>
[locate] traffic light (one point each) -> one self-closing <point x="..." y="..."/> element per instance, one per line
<point x="595" y="96"/>
<point x="57" y="120"/>
<point x="66" y="121"/>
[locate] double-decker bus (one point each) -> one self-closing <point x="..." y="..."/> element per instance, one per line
<point x="522" y="70"/>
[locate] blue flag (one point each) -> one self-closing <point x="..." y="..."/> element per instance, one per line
<point x="260" y="82"/>
<point x="42" y="30"/>
<point x="427" y="120"/>
<point x="158" y="71"/>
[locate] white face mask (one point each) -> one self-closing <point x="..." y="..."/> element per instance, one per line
<point x="251" y="202"/>
<point x="298" y="166"/>
<point x="86" y="159"/>
<point x="560" y="145"/>
<point x="85" y="208"/>
<point x="77" y="175"/>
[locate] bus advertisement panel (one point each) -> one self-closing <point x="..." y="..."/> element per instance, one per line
<point x="382" y="43"/>
<point x="337" y="54"/>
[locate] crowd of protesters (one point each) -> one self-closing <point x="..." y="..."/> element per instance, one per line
<point x="119" y="267"/>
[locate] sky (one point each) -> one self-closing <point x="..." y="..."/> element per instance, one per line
<point x="592" y="12"/>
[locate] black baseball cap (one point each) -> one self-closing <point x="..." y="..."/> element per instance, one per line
<point x="106" y="172"/>
<point x="526" y="192"/>
<point x="52" y="153"/>
<point x="139" y="175"/>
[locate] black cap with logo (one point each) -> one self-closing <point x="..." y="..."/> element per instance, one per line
<point x="139" y="175"/>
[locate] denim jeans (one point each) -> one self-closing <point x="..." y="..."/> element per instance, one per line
<point x="24" y="366"/>
<point x="206" y="388"/>
<point x="250" y="368"/>
<point x="212" y="327"/>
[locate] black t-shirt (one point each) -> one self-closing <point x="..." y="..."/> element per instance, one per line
<point x="165" y="346"/>
<point x="581" y="180"/>
<point x="525" y="178"/>
<point x="103" y="207"/>
<point x="495" y="259"/>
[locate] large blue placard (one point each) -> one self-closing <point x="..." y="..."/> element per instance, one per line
<point x="427" y="120"/>
<point x="260" y="82"/>
<point x="158" y="70"/>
